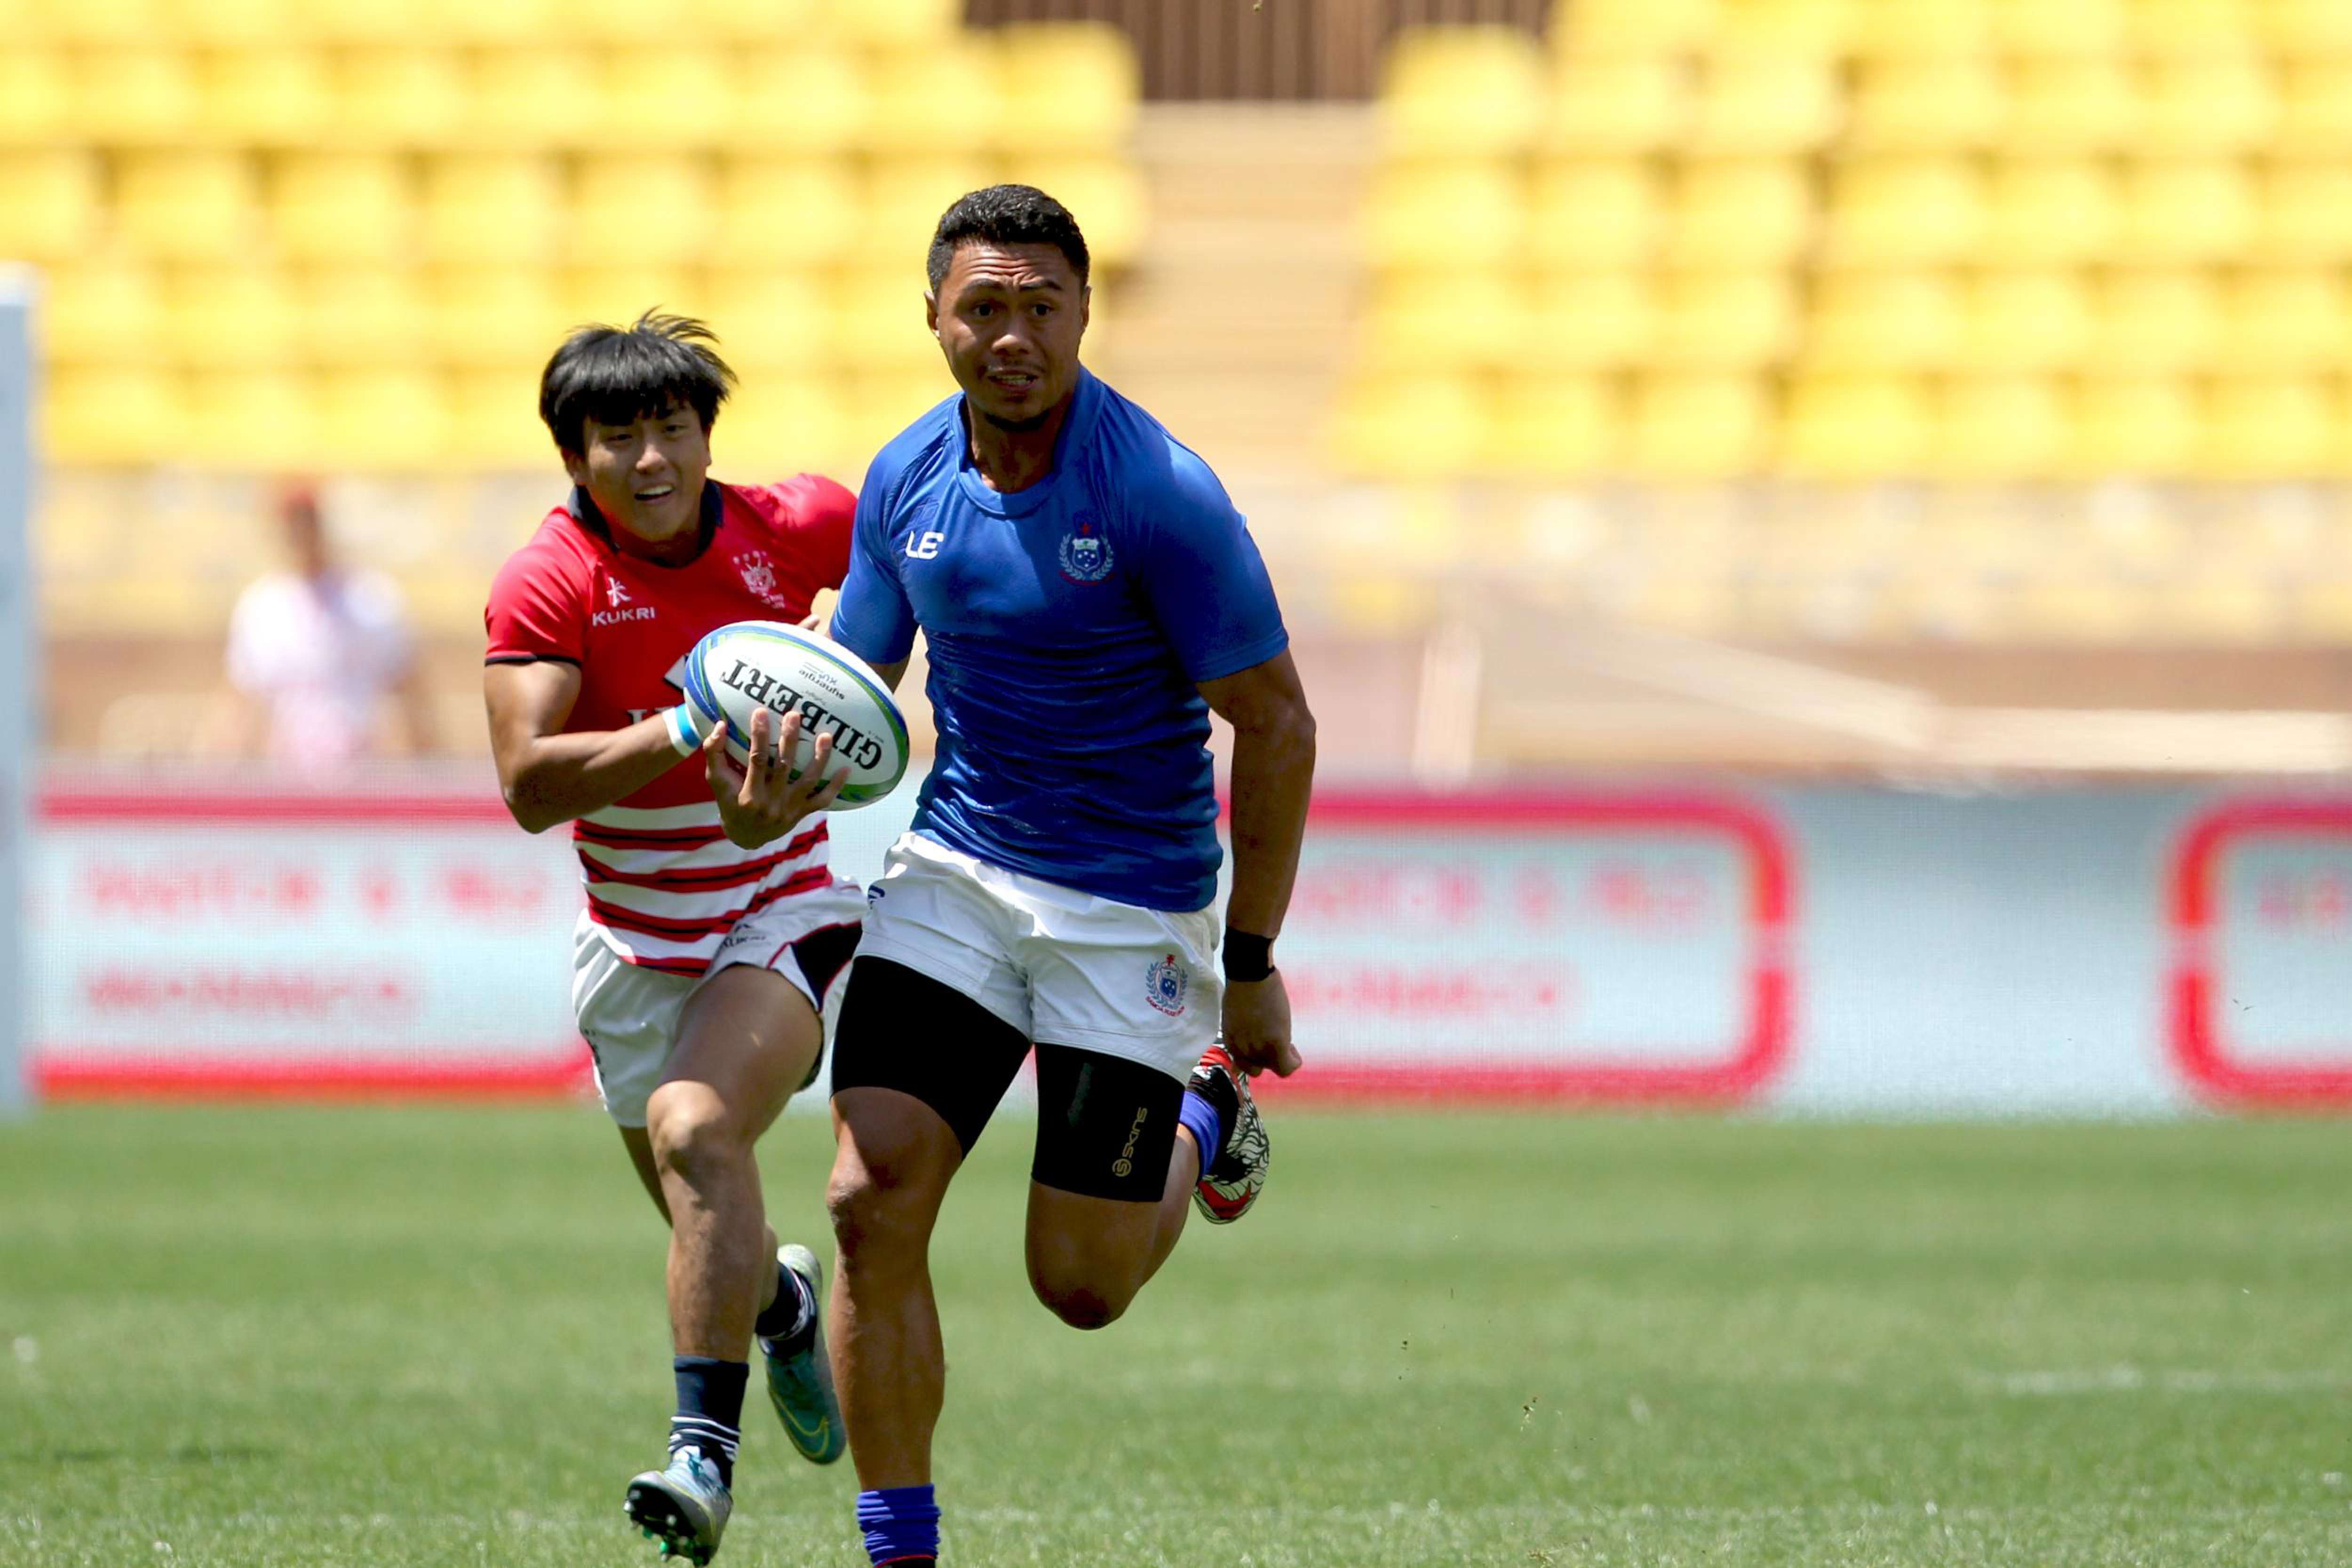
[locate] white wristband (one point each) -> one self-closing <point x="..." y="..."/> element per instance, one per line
<point x="681" y="730"/>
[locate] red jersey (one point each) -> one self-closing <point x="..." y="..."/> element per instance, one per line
<point x="664" y="882"/>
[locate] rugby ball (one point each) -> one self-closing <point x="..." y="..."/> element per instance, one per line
<point x="752" y="664"/>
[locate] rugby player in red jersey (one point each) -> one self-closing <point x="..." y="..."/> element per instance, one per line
<point x="714" y="927"/>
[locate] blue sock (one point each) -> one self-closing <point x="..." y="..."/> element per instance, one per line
<point x="1207" y="1125"/>
<point x="900" y="1522"/>
<point x="709" y="1409"/>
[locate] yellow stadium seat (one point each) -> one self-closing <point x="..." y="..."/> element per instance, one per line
<point x="879" y="322"/>
<point x="1999" y="427"/>
<point x="618" y="293"/>
<point x="2147" y="427"/>
<point x="1465" y="319"/>
<point x="363" y="22"/>
<point x="880" y="404"/>
<point x="760" y="21"/>
<point x="241" y="23"/>
<point x="50" y="203"/>
<point x="268" y="94"/>
<point x="1105" y="195"/>
<point x="1765" y="103"/>
<point x="1431" y="214"/>
<point x="891" y="24"/>
<point x="1552" y="427"/>
<point x="399" y="95"/>
<point x="383" y="419"/>
<point x="2027" y="320"/>
<point x="1617" y="106"/>
<point x="495" y="316"/>
<point x="2199" y="210"/>
<point x="1706" y="426"/>
<point x="36" y="99"/>
<point x="795" y="210"/>
<point x="2306" y="212"/>
<point x="101" y="310"/>
<point x="361" y="316"/>
<point x="1724" y="320"/>
<point x="534" y="95"/>
<point x="107" y="22"/>
<point x="1739" y="212"/>
<point x="494" y="415"/>
<point x="1461" y="92"/>
<point x="341" y="207"/>
<point x="143" y="94"/>
<point x="2155" y="320"/>
<point x="2079" y="28"/>
<point x="641" y="207"/>
<point x="2290" y="319"/>
<point x="2072" y="104"/>
<point x="1410" y="427"/>
<point x="254" y="419"/>
<point x="668" y="95"/>
<point x="1924" y="29"/>
<point x="2270" y="427"/>
<point x="1582" y="320"/>
<point x="1803" y="28"/>
<point x="792" y="100"/>
<point x="1904" y="211"/>
<point x="1927" y="105"/>
<point x="1071" y="88"/>
<point x="1631" y="29"/>
<point x="930" y="99"/>
<point x="1595" y="211"/>
<point x="777" y="426"/>
<point x="2305" y="29"/>
<point x="229" y="314"/>
<point x="112" y="414"/>
<point x="1885" y="320"/>
<point x="1850" y="426"/>
<point x="774" y="319"/>
<point x="904" y="200"/>
<point x="2225" y="103"/>
<point x="187" y="205"/>
<point x="2315" y="107"/>
<point x="2041" y="212"/>
<point x="492" y="208"/>
<point x="2195" y="28"/>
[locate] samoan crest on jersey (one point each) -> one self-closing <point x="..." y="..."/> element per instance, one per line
<point x="1086" y="554"/>
<point x="759" y="576"/>
<point x="1165" y="984"/>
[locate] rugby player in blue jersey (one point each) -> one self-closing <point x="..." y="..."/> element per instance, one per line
<point x="1089" y="596"/>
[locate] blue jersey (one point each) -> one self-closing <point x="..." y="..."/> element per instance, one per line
<point x="1068" y="625"/>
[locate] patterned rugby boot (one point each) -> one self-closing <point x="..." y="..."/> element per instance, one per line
<point x="800" y="1382"/>
<point x="684" y="1507"/>
<point x="1230" y="1183"/>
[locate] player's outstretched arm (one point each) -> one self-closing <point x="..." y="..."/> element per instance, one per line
<point x="1273" y="773"/>
<point x="549" y="776"/>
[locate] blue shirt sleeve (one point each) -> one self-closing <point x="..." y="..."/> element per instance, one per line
<point x="1204" y="580"/>
<point x="873" y="618"/>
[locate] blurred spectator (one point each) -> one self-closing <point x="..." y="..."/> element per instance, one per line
<point x="314" y="652"/>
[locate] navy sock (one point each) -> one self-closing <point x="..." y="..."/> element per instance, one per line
<point x="791" y="1314"/>
<point x="1207" y="1122"/>
<point x="709" y="1409"/>
<point x="901" y="1524"/>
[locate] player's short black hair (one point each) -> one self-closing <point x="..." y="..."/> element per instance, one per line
<point x="614" y="375"/>
<point x="1007" y="214"/>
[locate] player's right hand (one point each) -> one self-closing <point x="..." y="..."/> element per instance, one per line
<point x="764" y="802"/>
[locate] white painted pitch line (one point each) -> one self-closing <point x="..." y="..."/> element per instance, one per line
<point x="2128" y="1379"/>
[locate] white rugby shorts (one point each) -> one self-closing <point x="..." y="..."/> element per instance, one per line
<point x="1063" y="967"/>
<point x="628" y="1014"/>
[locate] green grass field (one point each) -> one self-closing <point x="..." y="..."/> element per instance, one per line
<point x="435" y="1337"/>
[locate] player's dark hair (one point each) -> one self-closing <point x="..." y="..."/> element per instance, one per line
<point x="617" y="375"/>
<point x="1007" y="214"/>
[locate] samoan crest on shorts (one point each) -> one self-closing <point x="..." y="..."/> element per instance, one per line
<point x="1165" y="985"/>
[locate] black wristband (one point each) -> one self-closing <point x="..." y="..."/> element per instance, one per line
<point x="1248" y="957"/>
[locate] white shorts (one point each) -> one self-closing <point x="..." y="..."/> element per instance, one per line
<point x="628" y="1014"/>
<point x="1062" y="967"/>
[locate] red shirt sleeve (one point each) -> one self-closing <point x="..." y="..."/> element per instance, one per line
<point x="814" y="515"/>
<point x="537" y="609"/>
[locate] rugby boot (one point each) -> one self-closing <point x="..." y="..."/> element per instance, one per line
<point x="1230" y="1183"/>
<point x="684" y="1507"/>
<point x="800" y="1378"/>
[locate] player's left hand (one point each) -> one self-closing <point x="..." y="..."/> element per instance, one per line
<point x="766" y="802"/>
<point x="1257" y="1026"/>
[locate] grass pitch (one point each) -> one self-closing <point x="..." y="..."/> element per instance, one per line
<point x="413" y="1337"/>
